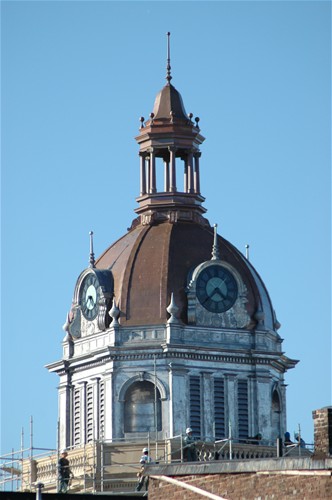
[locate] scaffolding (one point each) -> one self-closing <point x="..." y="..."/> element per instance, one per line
<point x="112" y="465"/>
<point x="12" y="475"/>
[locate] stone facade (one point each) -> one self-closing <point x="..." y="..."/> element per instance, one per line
<point x="92" y="395"/>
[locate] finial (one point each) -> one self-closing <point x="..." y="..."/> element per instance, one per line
<point x="67" y="324"/>
<point x="142" y="121"/>
<point x="168" y="67"/>
<point x="215" y="249"/>
<point x="114" y="313"/>
<point x="173" y="310"/>
<point x="92" y="255"/>
<point x="247" y="251"/>
<point x="197" y="120"/>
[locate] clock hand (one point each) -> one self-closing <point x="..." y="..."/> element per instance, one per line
<point x="90" y="299"/>
<point x="219" y="292"/>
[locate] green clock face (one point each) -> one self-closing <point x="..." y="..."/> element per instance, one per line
<point x="216" y="289"/>
<point x="89" y="296"/>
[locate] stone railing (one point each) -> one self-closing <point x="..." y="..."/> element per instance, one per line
<point x="225" y="450"/>
<point x="113" y="465"/>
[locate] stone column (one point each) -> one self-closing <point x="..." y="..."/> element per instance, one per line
<point x="166" y="176"/>
<point x="171" y="401"/>
<point x="231" y="404"/>
<point x="208" y="405"/>
<point x="252" y="405"/>
<point x="180" y="387"/>
<point x="172" y="183"/>
<point x="65" y="415"/>
<point x="197" y="187"/>
<point x="264" y="407"/>
<point x="185" y="176"/>
<point x="109" y="403"/>
<point x="96" y="412"/>
<point x="142" y="174"/>
<point x="83" y="412"/>
<point x="147" y="170"/>
<point x="153" y="188"/>
<point x="190" y="173"/>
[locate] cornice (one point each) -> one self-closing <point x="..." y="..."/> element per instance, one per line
<point x="252" y="358"/>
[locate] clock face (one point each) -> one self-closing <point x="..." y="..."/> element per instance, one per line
<point x="89" y="296"/>
<point x="216" y="289"/>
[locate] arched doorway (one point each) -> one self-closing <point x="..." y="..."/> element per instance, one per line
<point x="142" y="408"/>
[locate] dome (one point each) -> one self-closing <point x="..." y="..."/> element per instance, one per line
<point x="169" y="101"/>
<point x="151" y="262"/>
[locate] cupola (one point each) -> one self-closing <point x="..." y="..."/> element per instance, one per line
<point x="168" y="138"/>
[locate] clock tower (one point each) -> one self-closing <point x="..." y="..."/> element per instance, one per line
<point x="171" y="326"/>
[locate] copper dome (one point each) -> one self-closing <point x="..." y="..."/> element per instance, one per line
<point x="169" y="101"/>
<point x="152" y="261"/>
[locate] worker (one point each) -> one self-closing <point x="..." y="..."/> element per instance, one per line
<point x="144" y="460"/>
<point x="189" y="449"/>
<point x="299" y="440"/>
<point x="64" y="472"/>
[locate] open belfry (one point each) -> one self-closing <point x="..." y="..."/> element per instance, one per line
<point x="171" y="327"/>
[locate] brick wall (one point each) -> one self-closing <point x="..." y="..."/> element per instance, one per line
<point x="304" y="478"/>
<point x="246" y="486"/>
<point x="323" y="432"/>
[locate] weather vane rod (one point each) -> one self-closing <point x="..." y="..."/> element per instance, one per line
<point x="92" y="255"/>
<point x="215" y="248"/>
<point x="168" y="67"/>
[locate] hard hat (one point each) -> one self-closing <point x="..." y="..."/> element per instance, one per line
<point x="145" y="450"/>
<point x="189" y="429"/>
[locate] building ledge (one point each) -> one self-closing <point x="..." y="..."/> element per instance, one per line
<point x="289" y="465"/>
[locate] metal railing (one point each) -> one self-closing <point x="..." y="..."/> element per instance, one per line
<point x="106" y="464"/>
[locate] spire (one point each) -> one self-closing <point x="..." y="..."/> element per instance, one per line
<point x="92" y="255"/>
<point x="166" y="138"/>
<point x="168" y="67"/>
<point x="215" y="249"/>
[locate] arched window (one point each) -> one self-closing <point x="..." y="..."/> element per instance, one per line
<point x="276" y="411"/>
<point x="142" y="408"/>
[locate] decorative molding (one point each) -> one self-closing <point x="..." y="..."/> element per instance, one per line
<point x="137" y="378"/>
<point x="236" y="317"/>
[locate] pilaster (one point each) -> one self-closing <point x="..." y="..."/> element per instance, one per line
<point x="111" y="423"/>
<point x="231" y="405"/>
<point x="65" y="411"/>
<point x="208" y="405"/>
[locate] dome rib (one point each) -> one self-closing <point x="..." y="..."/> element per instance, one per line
<point x="152" y="261"/>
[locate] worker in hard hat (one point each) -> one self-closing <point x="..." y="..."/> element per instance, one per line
<point x="144" y="460"/>
<point x="64" y="472"/>
<point x="189" y="448"/>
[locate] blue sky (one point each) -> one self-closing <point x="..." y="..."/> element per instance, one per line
<point x="76" y="77"/>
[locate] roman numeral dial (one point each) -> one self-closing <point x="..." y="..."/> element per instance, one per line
<point x="89" y="296"/>
<point x="216" y="289"/>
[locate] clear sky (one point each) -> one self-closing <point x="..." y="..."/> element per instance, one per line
<point x="76" y="77"/>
